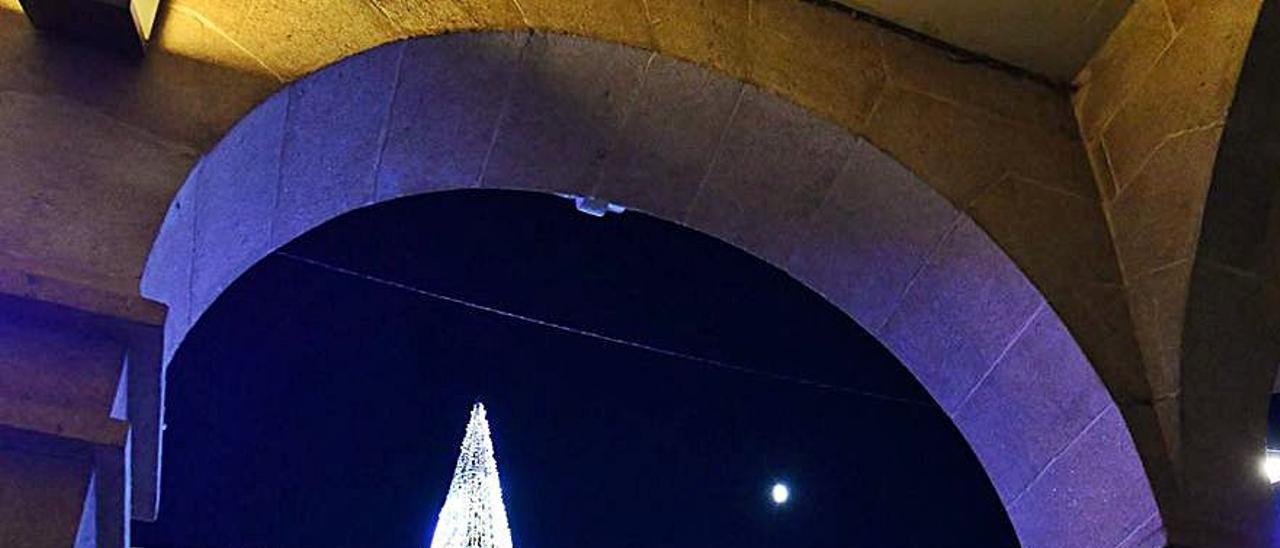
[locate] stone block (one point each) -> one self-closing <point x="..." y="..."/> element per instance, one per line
<point x="166" y="278"/>
<point x="236" y="186"/>
<point x="416" y="18"/>
<point x="621" y="21"/>
<point x="293" y="40"/>
<point x="189" y="97"/>
<point x="872" y="234"/>
<point x="569" y="101"/>
<point x="913" y="64"/>
<point x="83" y="193"/>
<point x="1150" y="534"/>
<point x="711" y="32"/>
<point x="981" y="149"/>
<point x="1121" y="65"/>
<point x="333" y="136"/>
<point x="42" y="498"/>
<point x="488" y="14"/>
<point x="1053" y="39"/>
<point x="1158" y="303"/>
<point x="1156" y="217"/>
<point x="1180" y="11"/>
<point x="1102" y="171"/>
<point x="1099" y="316"/>
<point x="1065" y="243"/>
<point x="1035" y="401"/>
<point x="972" y="301"/>
<point x="187" y="36"/>
<point x="1191" y="86"/>
<point x="450" y="97"/>
<point x="670" y="139"/>
<point x="59" y="366"/>
<point x="1095" y="493"/>
<point x="823" y="59"/>
<point x="769" y="175"/>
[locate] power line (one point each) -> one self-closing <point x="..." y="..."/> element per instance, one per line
<point x="711" y="362"/>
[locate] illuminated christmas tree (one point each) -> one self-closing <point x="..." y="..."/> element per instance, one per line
<point x="473" y="515"/>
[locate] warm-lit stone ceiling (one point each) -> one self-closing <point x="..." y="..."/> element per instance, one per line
<point x="1053" y="38"/>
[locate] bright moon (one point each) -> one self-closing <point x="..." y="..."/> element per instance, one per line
<point x="780" y="493"/>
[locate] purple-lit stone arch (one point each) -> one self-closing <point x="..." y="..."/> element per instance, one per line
<point x="554" y="113"/>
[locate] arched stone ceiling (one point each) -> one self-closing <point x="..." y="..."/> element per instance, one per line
<point x="560" y="114"/>
<point x="1052" y="39"/>
<point x="989" y="142"/>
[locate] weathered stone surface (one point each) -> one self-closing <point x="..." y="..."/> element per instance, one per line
<point x="1035" y="400"/>
<point x="915" y="65"/>
<point x="295" y="39"/>
<point x="41" y="498"/>
<point x="1121" y="65"/>
<point x="973" y="301"/>
<point x="236" y="188"/>
<point x="18" y="278"/>
<point x="769" y="176"/>
<point x="450" y="98"/>
<point x="712" y="32"/>
<point x="424" y="18"/>
<point x="860" y="254"/>
<point x="569" y="101"/>
<point x="1053" y="39"/>
<point x="1080" y="478"/>
<point x="58" y="366"/>
<point x="1102" y="171"/>
<point x="498" y="15"/>
<point x="620" y="21"/>
<point x="1151" y="534"/>
<point x="823" y="59"/>
<point x="1156" y="217"/>
<point x="1066" y="244"/>
<point x="333" y="136"/>
<point x="1180" y="11"/>
<point x="1100" y="313"/>
<point x="167" y="277"/>
<point x="1158" y="301"/>
<point x="982" y="148"/>
<point x="670" y="139"/>
<point x="184" y="100"/>
<point x="1190" y="87"/>
<point x="88" y="218"/>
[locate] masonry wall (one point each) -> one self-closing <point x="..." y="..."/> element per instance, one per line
<point x="97" y="147"/>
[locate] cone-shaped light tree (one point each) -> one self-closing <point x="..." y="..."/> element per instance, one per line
<point x="473" y="515"/>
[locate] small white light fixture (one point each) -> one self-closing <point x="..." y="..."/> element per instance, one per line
<point x="780" y="494"/>
<point x="1271" y="466"/>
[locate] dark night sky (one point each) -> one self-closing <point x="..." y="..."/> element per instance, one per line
<point x="313" y="408"/>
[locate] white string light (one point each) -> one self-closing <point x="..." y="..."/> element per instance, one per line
<point x="600" y="336"/>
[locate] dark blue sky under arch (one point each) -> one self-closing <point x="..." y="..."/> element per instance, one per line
<point x="313" y="408"/>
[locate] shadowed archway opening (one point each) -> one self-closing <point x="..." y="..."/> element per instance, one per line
<point x="318" y="407"/>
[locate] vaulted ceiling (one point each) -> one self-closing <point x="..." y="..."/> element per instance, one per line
<point x="1051" y="38"/>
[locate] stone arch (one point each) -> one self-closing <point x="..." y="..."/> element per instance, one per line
<point x="533" y="111"/>
<point x="1231" y="330"/>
